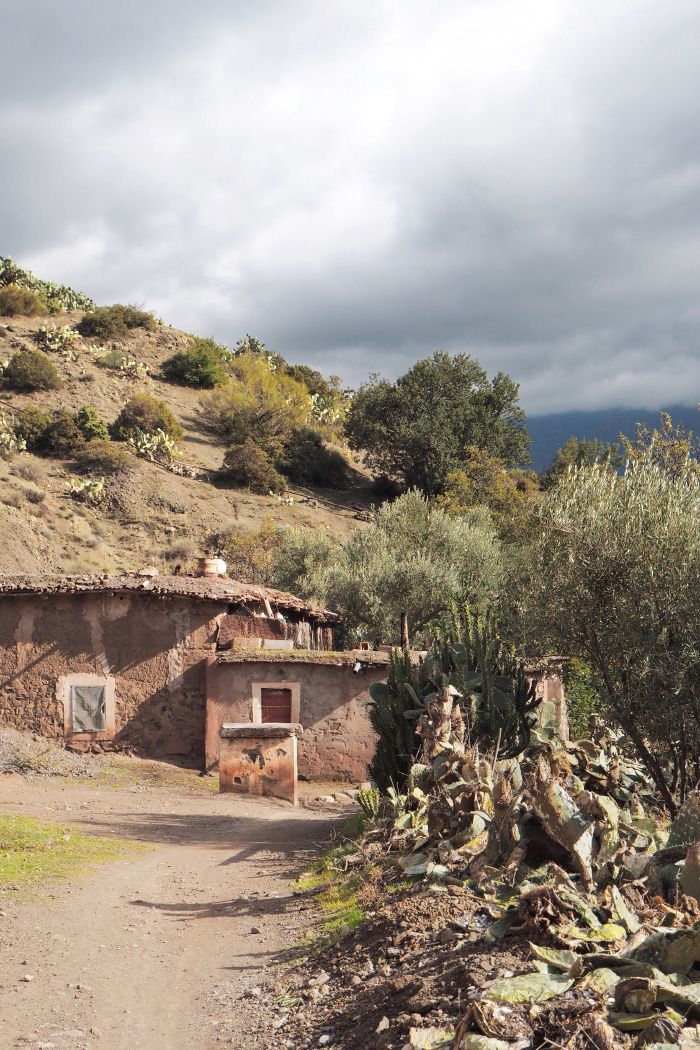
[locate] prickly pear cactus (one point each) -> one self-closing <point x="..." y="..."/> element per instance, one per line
<point x="685" y="829"/>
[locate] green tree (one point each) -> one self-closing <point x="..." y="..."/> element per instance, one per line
<point x="484" y="481"/>
<point x="617" y="583"/>
<point x="201" y="364"/>
<point x="417" y="428"/>
<point x="580" y="453"/>
<point x="148" y="414"/>
<point x="91" y="424"/>
<point x="414" y="559"/>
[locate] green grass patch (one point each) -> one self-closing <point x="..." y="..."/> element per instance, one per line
<point x="33" y="853"/>
<point x="335" y="888"/>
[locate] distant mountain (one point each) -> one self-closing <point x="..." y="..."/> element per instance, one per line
<point x="549" y="433"/>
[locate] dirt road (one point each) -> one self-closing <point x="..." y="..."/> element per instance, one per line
<point x="134" y="954"/>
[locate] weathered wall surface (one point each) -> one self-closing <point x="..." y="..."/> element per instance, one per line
<point x="338" y="740"/>
<point x="156" y="650"/>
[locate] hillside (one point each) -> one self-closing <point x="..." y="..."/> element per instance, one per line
<point x="149" y="515"/>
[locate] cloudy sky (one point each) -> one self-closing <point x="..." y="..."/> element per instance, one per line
<point x="361" y="182"/>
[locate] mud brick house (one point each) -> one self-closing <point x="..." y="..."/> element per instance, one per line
<point x="155" y="663"/>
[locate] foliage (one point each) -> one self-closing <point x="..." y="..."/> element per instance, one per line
<point x="145" y="413"/>
<point x="201" y="364"/>
<point x="32" y="424"/>
<point x="618" y="583"/>
<point x="250" y="556"/>
<point x="62" y="437"/>
<point x="575" y="453"/>
<point x="252" y="347"/>
<point x="306" y="460"/>
<point x="416" y="429"/>
<point x="104" y="457"/>
<point x="583" y="696"/>
<point x="109" y="322"/>
<point x="31" y="370"/>
<point x="675" y="449"/>
<point x="369" y="799"/>
<point x="259" y="403"/>
<point x="329" y="401"/>
<point x="397" y="742"/>
<point x="19" y="302"/>
<point x="10" y="440"/>
<point x="91" y="424"/>
<point x="155" y="445"/>
<point x="485" y="481"/>
<point x="413" y="559"/>
<point x="119" y="361"/>
<point x="249" y="465"/>
<point x="85" y="489"/>
<point x="57" y="297"/>
<point x="60" y="339"/>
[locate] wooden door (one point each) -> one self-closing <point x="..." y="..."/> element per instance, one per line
<point x="276" y="705"/>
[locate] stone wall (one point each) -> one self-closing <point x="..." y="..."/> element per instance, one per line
<point x="155" y="648"/>
<point x="337" y="742"/>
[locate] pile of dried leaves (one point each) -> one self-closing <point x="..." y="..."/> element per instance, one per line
<point x="565" y="846"/>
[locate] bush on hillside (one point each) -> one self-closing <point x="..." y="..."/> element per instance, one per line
<point x="107" y="322"/>
<point x="306" y="460"/>
<point x="104" y="457"/>
<point x="18" y="302"/>
<point x="145" y="413"/>
<point x="57" y="297"/>
<point x="201" y="364"/>
<point x="31" y="425"/>
<point x="31" y="370"/>
<point x="249" y="465"/>
<point x="62" y="437"/>
<point x="91" y="425"/>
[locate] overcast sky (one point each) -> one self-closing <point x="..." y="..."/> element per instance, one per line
<point x="361" y="182"/>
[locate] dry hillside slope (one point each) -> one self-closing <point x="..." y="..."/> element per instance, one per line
<point x="149" y="515"/>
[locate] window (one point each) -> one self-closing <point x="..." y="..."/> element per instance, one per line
<point x="276" y="705"/>
<point x="276" y="701"/>
<point x="88" y="706"/>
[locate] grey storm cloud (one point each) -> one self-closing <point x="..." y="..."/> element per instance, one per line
<point x="359" y="184"/>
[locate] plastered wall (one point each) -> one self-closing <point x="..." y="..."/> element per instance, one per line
<point x="155" y="649"/>
<point x="338" y="740"/>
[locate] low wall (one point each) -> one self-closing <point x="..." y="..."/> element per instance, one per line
<point x="338" y="741"/>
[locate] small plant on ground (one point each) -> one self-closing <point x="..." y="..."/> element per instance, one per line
<point x="104" y="457"/>
<point x="86" y="489"/>
<point x="91" y="424"/>
<point x="19" y="302"/>
<point x="156" y="446"/>
<point x="109" y="322"/>
<point x="60" y="339"/>
<point x="145" y="413"/>
<point x="10" y="440"/>
<point x="202" y="364"/>
<point x="31" y="370"/>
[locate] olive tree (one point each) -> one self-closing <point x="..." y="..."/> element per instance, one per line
<point x="414" y="558"/>
<point x="617" y="582"/>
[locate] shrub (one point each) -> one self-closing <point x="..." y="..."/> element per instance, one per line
<point x="31" y="370"/>
<point x="201" y="364"/>
<point x="110" y="359"/>
<point x="59" y="338"/>
<point x="157" y="446"/>
<point x="31" y="425"/>
<point x="91" y="424"/>
<point x="306" y="460"/>
<point x="18" y="302"/>
<point x="57" y="297"/>
<point x="106" y="322"/>
<point x="246" y="464"/>
<point x="104" y="457"/>
<point x="63" y="436"/>
<point x="143" y="412"/>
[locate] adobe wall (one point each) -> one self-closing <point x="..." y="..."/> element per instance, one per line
<point x="156" y="649"/>
<point x="338" y="741"/>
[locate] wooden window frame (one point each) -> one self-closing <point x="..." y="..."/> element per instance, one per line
<point x="257" y="688"/>
<point x="63" y="695"/>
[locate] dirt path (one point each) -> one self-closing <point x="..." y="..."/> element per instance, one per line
<point x="130" y="955"/>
